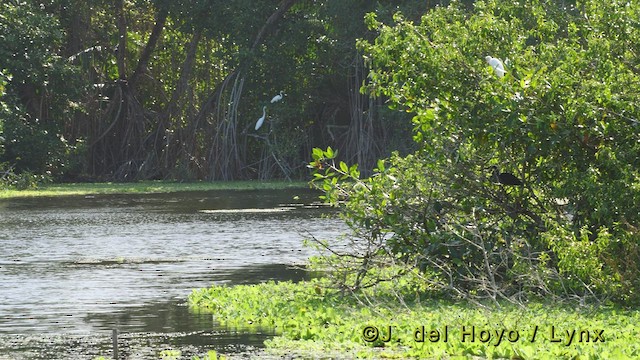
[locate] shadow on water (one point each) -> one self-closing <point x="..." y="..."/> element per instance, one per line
<point x="74" y="268"/>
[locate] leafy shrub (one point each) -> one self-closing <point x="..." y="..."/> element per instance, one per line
<point x="9" y="179"/>
<point x="31" y="147"/>
<point x="562" y="119"/>
<point x="38" y="89"/>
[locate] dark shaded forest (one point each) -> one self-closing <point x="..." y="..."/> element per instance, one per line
<point x="141" y="89"/>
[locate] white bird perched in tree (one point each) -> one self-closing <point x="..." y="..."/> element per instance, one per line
<point x="496" y="64"/>
<point x="277" y="98"/>
<point x="261" y="120"/>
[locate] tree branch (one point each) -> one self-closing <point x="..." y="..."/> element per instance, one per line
<point x="283" y="7"/>
<point x="161" y="18"/>
<point x="122" y="40"/>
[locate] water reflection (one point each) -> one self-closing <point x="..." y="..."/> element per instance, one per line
<point x="78" y="266"/>
<point x="175" y="316"/>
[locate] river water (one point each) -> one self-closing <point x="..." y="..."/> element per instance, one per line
<point x="72" y="269"/>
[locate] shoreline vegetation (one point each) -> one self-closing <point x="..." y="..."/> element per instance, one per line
<point x="146" y="187"/>
<point x="311" y="318"/>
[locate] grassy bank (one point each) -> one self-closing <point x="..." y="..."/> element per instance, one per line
<point x="146" y="187"/>
<point x="312" y="319"/>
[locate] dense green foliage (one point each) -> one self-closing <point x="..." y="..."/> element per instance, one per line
<point x="563" y="119"/>
<point x="311" y="319"/>
<point x="127" y="90"/>
<point x="38" y="86"/>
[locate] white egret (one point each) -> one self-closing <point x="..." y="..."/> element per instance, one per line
<point x="277" y="98"/>
<point x="496" y="64"/>
<point x="261" y="120"/>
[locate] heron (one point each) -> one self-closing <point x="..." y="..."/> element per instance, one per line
<point x="261" y="120"/>
<point x="504" y="178"/>
<point x="496" y="64"/>
<point x="277" y="98"/>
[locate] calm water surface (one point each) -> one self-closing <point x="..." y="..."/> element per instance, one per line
<point x="74" y="268"/>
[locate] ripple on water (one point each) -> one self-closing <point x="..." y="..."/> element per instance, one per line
<point x="72" y="269"/>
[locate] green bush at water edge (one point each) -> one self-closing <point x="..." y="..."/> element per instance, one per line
<point x="563" y="119"/>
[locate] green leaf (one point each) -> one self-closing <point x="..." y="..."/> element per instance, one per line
<point x="330" y="153"/>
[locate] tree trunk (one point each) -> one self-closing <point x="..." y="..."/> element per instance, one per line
<point x="283" y="7"/>
<point x="116" y="151"/>
<point x="161" y="18"/>
<point x="122" y="41"/>
<point x="168" y="142"/>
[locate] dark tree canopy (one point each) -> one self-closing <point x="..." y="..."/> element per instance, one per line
<point x="127" y="90"/>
